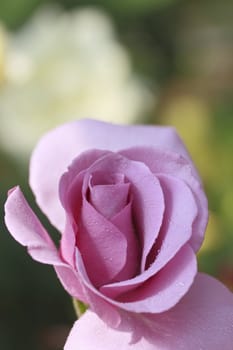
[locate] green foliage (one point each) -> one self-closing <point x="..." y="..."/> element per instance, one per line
<point x="15" y="12"/>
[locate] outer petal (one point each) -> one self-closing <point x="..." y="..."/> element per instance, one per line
<point x="91" y="333"/>
<point x="58" y="148"/>
<point x="202" y="320"/>
<point x="101" y="306"/>
<point x="28" y="231"/>
<point x="175" y="165"/>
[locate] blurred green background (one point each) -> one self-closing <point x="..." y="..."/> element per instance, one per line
<point x="152" y="61"/>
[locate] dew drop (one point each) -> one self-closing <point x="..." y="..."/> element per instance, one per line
<point x="181" y="284"/>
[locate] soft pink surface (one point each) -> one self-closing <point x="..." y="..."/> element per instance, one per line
<point x="145" y="189"/>
<point x="28" y="231"/>
<point x="203" y="319"/>
<point x="132" y="213"/>
<point x="59" y="147"/>
<point x="173" y="163"/>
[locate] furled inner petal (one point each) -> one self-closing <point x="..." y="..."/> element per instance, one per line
<point x="68" y="241"/>
<point x="100" y="305"/>
<point x="180" y="213"/>
<point x="96" y="235"/>
<point x="103" y="247"/>
<point x="108" y="198"/>
<point x="165" y="289"/>
<point x="164" y="162"/>
<point x="67" y="183"/>
<point x="148" y="201"/>
<point x="123" y="221"/>
<point x="71" y="198"/>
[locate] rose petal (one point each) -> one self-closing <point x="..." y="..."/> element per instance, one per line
<point x="109" y="199"/>
<point x="91" y="333"/>
<point x="203" y="319"/>
<point x="123" y="221"/>
<point x="68" y="181"/>
<point x="28" y="231"/>
<point x="70" y="191"/>
<point x="163" y="290"/>
<point x="176" y="230"/>
<point x="102" y="245"/>
<point x="161" y="162"/>
<point x="68" y="241"/>
<point x="147" y="196"/>
<point x="172" y="283"/>
<point x="71" y="282"/>
<point x="58" y="148"/>
<point x="106" y="311"/>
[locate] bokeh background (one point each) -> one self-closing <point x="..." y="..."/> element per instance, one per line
<point x="164" y="62"/>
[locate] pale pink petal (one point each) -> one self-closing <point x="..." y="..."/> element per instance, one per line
<point x="71" y="282"/>
<point x="145" y="189"/>
<point x="26" y="229"/>
<point x="109" y="199"/>
<point x="91" y="333"/>
<point x="158" y="294"/>
<point x="58" y="148"/>
<point x="101" y="306"/>
<point x="176" y="230"/>
<point x="123" y="221"/>
<point x="161" y="162"/>
<point x="71" y="198"/>
<point x="68" y="242"/>
<point x="203" y="319"/>
<point x="147" y="196"/>
<point x="76" y="169"/>
<point x="180" y="213"/>
<point x="102" y="245"/>
<point x="165" y="289"/>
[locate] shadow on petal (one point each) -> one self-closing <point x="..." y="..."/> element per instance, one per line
<point x="203" y="319"/>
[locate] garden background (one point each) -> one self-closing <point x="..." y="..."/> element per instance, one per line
<point x="164" y="62"/>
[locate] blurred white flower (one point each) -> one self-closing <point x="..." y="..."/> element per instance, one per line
<point x="2" y="54"/>
<point x="63" y="66"/>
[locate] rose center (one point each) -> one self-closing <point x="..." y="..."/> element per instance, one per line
<point x="108" y="195"/>
<point x="106" y="236"/>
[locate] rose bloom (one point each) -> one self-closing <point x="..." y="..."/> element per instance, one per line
<point x="131" y="209"/>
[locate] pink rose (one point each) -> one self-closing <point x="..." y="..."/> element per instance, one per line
<point x="132" y="212"/>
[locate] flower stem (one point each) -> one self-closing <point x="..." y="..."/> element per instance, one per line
<point x="79" y="307"/>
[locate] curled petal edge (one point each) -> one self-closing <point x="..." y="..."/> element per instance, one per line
<point x="26" y="229"/>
